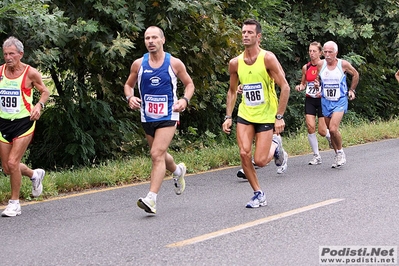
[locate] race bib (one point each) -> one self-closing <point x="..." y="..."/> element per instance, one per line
<point x="156" y="106"/>
<point x="10" y="101"/>
<point x="253" y="94"/>
<point x="311" y="90"/>
<point x="331" y="92"/>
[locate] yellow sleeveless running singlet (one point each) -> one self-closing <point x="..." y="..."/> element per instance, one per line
<point x="259" y="99"/>
<point x="15" y="99"/>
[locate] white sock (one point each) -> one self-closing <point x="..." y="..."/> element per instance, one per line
<point x="328" y="136"/>
<point x="178" y="171"/>
<point x="152" y="195"/>
<point x="14" y="201"/>
<point x="340" y="151"/>
<point x="313" y="143"/>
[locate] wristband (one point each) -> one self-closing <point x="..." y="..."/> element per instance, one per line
<point x="227" y="117"/>
<point x="41" y="104"/>
<point x="187" y="100"/>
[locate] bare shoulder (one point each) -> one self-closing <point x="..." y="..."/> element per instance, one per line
<point x="233" y="65"/>
<point x="177" y="65"/>
<point x="33" y="73"/>
<point x="270" y="55"/>
<point x="138" y="61"/>
<point x="347" y="66"/>
<point x="175" y="61"/>
<point x="136" y="64"/>
<point x="271" y="61"/>
<point x="234" y="60"/>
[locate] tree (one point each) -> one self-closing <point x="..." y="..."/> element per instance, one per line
<point x="89" y="61"/>
<point x="87" y="50"/>
<point x="367" y="37"/>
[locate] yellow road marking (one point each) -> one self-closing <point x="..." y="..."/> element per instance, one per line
<point x="251" y="224"/>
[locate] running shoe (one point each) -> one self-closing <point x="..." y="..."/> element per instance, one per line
<point x="279" y="152"/>
<point x="180" y="183"/>
<point x="241" y="174"/>
<point x="315" y="160"/>
<point x="334" y="165"/>
<point x="12" y="210"/>
<point x="37" y="186"/>
<point x="339" y="160"/>
<point x="284" y="166"/>
<point x="147" y="204"/>
<point x="259" y="199"/>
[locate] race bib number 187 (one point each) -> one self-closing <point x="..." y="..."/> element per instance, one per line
<point x="331" y="92"/>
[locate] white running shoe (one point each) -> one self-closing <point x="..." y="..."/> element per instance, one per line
<point x="259" y="199"/>
<point x="12" y="210"/>
<point x="180" y="183"/>
<point x="315" y="160"/>
<point x="279" y="153"/>
<point x="284" y="165"/>
<point x="37" y="186"/>
<point x="339" y="160"/>
<point x="147" y="204"/>
<point x="334" y="165"/>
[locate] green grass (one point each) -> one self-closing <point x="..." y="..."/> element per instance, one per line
<point x="137" y="169"/>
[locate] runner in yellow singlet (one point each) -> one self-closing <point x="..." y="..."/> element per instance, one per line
<point x="18" y="119"/>
<point x="260" y="113"/>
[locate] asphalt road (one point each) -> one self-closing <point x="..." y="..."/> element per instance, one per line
<point x="308" y="207"/>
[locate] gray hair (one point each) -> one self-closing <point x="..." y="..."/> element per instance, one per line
<point x="14" y="41"/>
<point x="335" y="46"/>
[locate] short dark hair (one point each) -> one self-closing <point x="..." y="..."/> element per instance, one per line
<point x="252" y="21"/>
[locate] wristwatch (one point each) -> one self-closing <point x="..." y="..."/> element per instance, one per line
<point x="279" y="117"/>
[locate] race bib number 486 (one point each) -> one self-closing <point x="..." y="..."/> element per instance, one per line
<point x="253" y="94"/>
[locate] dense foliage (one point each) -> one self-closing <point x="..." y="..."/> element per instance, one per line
<point x="86" y="49"/>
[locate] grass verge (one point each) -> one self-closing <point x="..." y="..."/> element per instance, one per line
<point x="137" y="169"/>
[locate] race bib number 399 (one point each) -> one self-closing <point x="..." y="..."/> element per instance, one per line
<point x="156" y="106"/>
<point x="10" y="101"/>
<point x="253" y="94"/>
